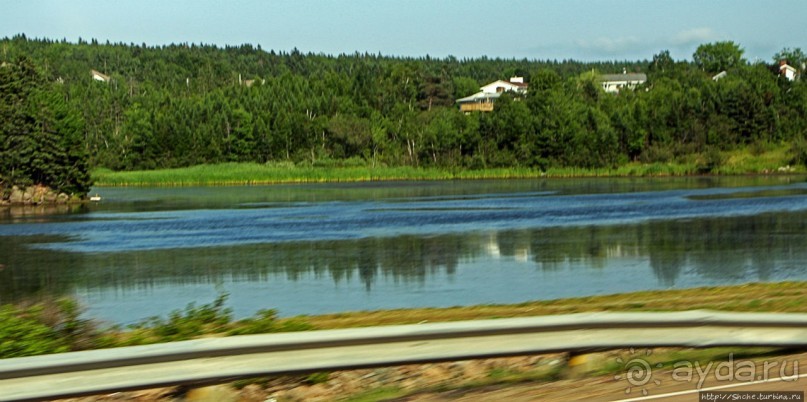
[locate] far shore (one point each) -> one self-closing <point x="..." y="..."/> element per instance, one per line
<point x="774" y="163"/>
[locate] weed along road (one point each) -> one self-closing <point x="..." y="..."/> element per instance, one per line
<point x="729" y="383"/>
<point x="216" y="360"/>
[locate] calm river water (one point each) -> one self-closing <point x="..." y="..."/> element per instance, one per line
<point x="308" y="249"/>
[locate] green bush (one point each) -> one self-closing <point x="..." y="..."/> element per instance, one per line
<point x="656" y="154"/>
<point x="798" y="152"/>
<point x="193" y="322"/>
<point x="758" y="148"/>
<point x="265" y="322"/>
<point x="55" y="326"/>
<point x="23" y="332"/>
<point x="184" y="324"/>
<point x="43" y="327"/>
<point x="709" y="160"/>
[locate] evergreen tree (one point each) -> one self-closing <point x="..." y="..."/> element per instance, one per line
<point x="41" y="135"/>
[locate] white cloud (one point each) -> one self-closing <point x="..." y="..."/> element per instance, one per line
<point x="609" y="45"/>
<point x="695" y="36"/>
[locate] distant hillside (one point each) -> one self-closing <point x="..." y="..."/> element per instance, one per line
<point x="186" y="104"/>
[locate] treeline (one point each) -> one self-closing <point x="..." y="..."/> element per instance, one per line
<point x="188" y="104"/>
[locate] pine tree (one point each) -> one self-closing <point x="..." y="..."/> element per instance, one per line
<point x="41" y="134"/>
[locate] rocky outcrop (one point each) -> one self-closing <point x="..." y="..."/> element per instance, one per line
<point x="36" y="195"/>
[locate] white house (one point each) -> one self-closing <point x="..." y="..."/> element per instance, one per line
<point x="98" y="76"/>
<point x="719" y="76"/>
<point x="516" y="84"/>
<point x="482" y="101"/>
<point x="788" y="71"/>
<point x="613" y="83"/>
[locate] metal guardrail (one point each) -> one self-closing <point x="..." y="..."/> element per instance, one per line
<point x="215" y="360"/>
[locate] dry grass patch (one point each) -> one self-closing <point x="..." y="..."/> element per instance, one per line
<point x="788" y="297"/>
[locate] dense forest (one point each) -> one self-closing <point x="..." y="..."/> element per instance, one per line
<point x="188" y="104"/>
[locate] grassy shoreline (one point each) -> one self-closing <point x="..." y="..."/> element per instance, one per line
<point x="772" y="161"/>
<point x="19" y="337"/>
<point x="53" y="326"/>
<point x="784" y="297"/>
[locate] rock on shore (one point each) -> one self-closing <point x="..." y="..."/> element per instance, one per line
<point x="36" y="195"/>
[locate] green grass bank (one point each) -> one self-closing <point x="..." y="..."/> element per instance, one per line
<point x="752" y="160"/>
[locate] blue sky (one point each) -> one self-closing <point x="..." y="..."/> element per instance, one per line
<point x="533" y="29"/>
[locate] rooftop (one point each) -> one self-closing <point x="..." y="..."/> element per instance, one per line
<point x="479" y="97"/>
<point x="624" y="77"/>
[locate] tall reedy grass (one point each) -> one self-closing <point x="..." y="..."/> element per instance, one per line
<point x="253" y="173"/>
<point x="754" y="159"/>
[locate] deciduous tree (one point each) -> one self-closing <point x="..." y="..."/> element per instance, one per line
<point x="718" y="56"/>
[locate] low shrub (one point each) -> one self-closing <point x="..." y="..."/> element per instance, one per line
<point x="184" y="324"/>
<point x="340" y="163"/>
<point x="709" y="160"/>
<point x="22" y="333"/>
<point x="43" y="327"/>
<point x="266" y="321"/>
<point x="55" y="326"/>
<point x="656" y="154"/>
<point x="798" y="152"/>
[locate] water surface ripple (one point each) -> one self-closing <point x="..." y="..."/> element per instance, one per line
<point x="308" y="249"/>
